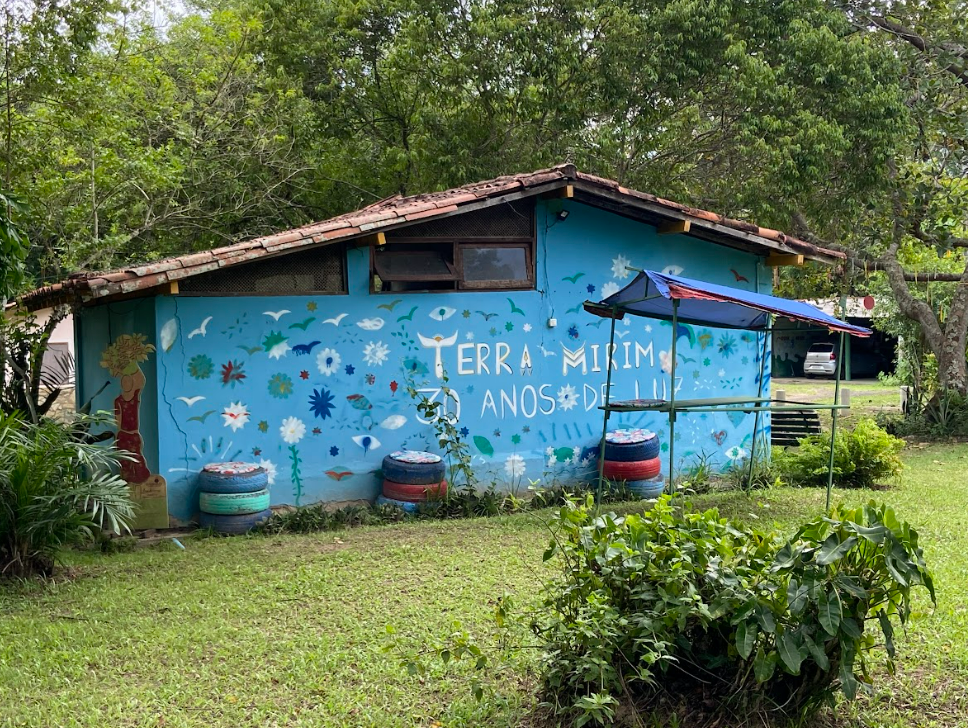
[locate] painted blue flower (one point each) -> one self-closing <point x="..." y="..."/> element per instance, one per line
<point x="497" y="433"/>
<point x="590" y="288"/>
<point x="464" y="432"/>
<point x="321" y="403"/>
<point x="727" y="345"/>
<point x="350" y="369"/>
<point x="526" y="429"/>
<point x="573" y="331"/>
<point x="334" y="451"/>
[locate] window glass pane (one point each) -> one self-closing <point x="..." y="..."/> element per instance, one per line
<point x="413" y="264"/>
<point x="494" y="264"/>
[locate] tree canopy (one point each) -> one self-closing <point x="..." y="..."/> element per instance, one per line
<point x="845" y="121"/>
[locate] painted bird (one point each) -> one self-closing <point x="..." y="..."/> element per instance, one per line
<point x="201" y="330"/>
<point x="515" y="309"/>
<point x="574" y="278"/>
<point x="738" y="276"/>
<point x="276" y="315"/>
<point x="303" y="349"/>
<point x="336" y="320"/>
<point x="390" y="306"/>
<point x="409" y="316"/>
<point x="303" y="324"/>
<point x="487" y="316"/>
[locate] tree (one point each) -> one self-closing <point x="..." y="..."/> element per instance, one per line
<point x="915" y="231"/>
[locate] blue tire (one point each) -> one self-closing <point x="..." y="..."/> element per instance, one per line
<point x="244" y="481"/>
<point x="408" y="507"/>
<point x="647" y="488"/>
<point x="413" y="473"/>
<point x="626" y="453"/>
<point x="234" y="524"/>
<point x="233" y="504"/>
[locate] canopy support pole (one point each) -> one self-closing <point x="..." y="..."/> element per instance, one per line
<point x="608" y="396"/>
<point x="672" y="397"/>
<point x="833" y="421"/>
<point x="756" y="418"/>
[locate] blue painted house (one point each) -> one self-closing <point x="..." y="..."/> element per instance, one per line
<point x="295" y="350"/>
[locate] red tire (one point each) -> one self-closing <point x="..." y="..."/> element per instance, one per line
<point x="633" y="470"/>
<point x="414" y="493"/>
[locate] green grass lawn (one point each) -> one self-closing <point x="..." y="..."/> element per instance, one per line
<point x="869" y="397"/>
<point x="290" y="631"/>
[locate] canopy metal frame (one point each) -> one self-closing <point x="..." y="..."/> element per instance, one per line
<point x="750" y="405"/>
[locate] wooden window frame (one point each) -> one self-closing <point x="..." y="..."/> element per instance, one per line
<point x="457" y="268"/>
<point x="496" y="285"/>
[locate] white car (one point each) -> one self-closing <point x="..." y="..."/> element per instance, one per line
<point x="821" y="361"/>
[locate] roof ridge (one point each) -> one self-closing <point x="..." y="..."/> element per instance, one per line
<point x="391" y="211"/>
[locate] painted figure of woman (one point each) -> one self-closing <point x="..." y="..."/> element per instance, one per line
<point x="122" y="359"/>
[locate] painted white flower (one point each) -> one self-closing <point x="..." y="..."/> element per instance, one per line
<point x="627" y="321"/>
<point x="721" y="373"/>
<point x="469" y="336"/>
<point x="375" y="353"/>
<point x="293" y="430"/>
<point x="609" y="289"/>
<point x="550" y="451"/>
<point x="514" y="466"/>
<point x="527" y="328"/>
<point x="620" y="267"/>
<point x="279" y="350"/>
<point x="665" y="361"/>
<point x="648" y="328"/>
<point x="270" y="468"/>
<point x="576" y="451"/>
<point x="736" y="453"/>
<point x="586" y="461"/>
<point x="328" y="361"/>
<point x="236" y="415"/>
<point x="567" y="397"/>
<point x="552" y="461"/>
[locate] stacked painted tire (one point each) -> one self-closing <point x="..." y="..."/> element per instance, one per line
<point x="234" y="497"/>
<point x="632" y="457"/>
<point x="412" y="477"/>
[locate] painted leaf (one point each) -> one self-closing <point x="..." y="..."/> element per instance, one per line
<point x="746" y="638"/>
<point x="484" y="445"/>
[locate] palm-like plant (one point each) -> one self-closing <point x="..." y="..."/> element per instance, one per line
<point x="56" y="490"/>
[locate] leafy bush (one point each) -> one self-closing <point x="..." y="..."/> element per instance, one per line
<point x="55" y="490"/>
<point x="717" y="614"/>
<point x="862" y="457"/>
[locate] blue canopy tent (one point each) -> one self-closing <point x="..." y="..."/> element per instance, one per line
<point x="684" y="300"/>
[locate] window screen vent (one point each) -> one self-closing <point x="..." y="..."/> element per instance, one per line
<point x="320" y="270"/>
<point x="509" y="220"/>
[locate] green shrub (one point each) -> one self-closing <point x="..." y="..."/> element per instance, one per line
<point x="465" y="502"/>
<point x="720" y="615"/>
<point x="862" y="457"/>
<point x="55" y="490"/>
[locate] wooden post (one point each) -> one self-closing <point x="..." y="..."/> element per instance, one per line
<point x="780" y="395"/>
<point x="845" y="397"/>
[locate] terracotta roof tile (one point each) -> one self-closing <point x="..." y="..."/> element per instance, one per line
<point x="386" y="213"/>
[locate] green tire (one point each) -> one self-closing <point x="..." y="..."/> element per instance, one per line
<point x="233" y="504"/>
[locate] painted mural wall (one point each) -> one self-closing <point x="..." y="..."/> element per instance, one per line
<point x="117" y="370"/>
<point x="314" y="388"/>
